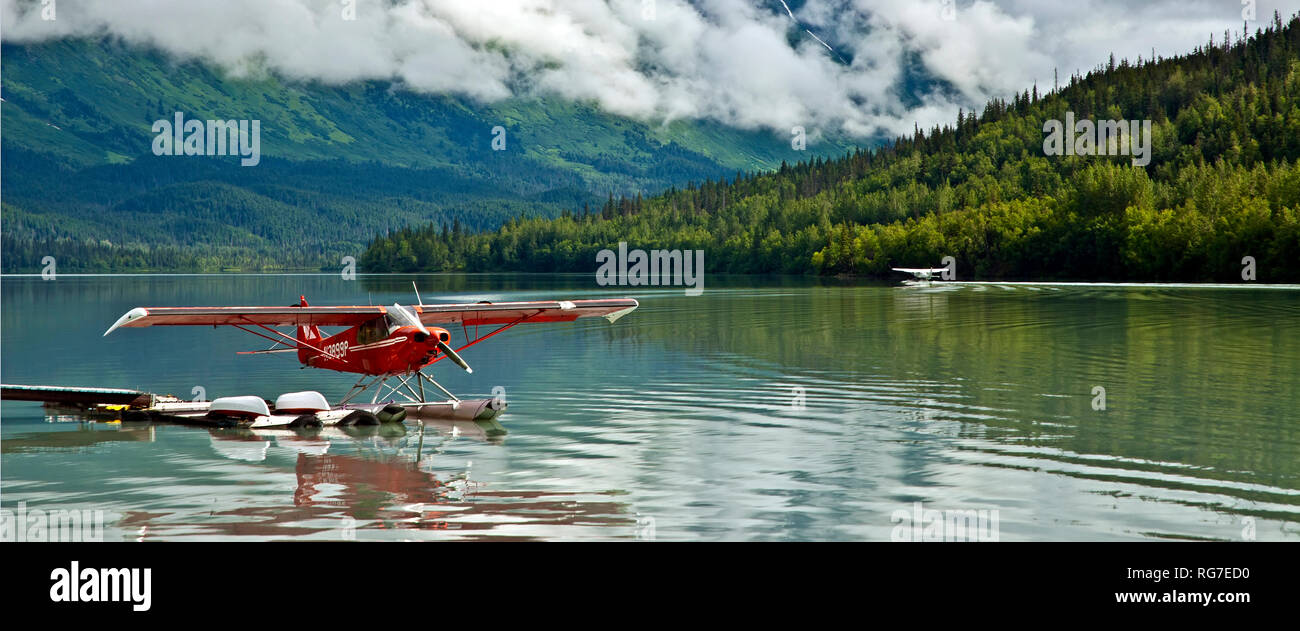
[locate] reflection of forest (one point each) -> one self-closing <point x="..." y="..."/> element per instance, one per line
<point x="85" y="435"/>
<point x="1201" y="377"/>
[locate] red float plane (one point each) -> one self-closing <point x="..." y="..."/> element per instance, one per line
<point x="380" y="342"/>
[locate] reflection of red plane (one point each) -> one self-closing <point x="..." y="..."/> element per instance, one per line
<point x="386" y="491"/>
<point x="380" y="342"/>
<point x="389" y="489"/>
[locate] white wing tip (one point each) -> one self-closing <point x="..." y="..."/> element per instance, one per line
<point x="127" y="318"/>
<point x="614" y="316"/>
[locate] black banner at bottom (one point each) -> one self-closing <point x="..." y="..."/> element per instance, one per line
<point x="178" y="582"/>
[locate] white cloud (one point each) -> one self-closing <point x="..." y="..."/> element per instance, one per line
<point x="741" y="62"/>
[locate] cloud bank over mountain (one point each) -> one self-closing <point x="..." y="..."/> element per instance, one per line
<point x="859" y="67"/>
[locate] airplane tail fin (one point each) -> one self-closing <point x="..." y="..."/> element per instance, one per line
<point x="309" y="334"/>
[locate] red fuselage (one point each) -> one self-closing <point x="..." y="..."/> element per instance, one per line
<point x="373" y="348"/>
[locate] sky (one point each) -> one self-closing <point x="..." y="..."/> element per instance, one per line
<point x="830" y="65"/>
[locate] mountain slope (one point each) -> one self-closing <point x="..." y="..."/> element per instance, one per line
<point x="339" y="163"/>
<point x="1222" y="184"/>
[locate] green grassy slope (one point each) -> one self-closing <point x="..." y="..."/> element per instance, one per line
<point x="339" y="163"/>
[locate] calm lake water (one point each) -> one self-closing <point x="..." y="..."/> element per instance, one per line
<point x="765" y="409"/>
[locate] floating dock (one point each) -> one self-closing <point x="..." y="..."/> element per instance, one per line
<point x="112" y="404"/>
<point x="72" y="396"/>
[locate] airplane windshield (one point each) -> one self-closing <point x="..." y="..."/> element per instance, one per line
<point x="403" y="316"/>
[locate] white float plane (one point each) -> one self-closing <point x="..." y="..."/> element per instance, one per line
<point x="921" y="273"/>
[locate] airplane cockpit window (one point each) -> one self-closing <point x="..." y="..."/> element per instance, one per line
<point x="402" y="316"/>
<point x="372" y="331"/>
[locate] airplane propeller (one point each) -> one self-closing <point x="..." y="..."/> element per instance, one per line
<point x="453" y="356"/>
<point x="442" y="346"/>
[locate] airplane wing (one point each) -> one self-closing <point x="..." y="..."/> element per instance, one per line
<point x="919" y="270"/>
<point x="542" y="311"/>
<point x="468" y="314"/>
<point x="265" y="316"/>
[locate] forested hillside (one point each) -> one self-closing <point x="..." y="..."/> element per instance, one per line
<point x="338" y="163"/>
<point x="1223" y="183"/>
